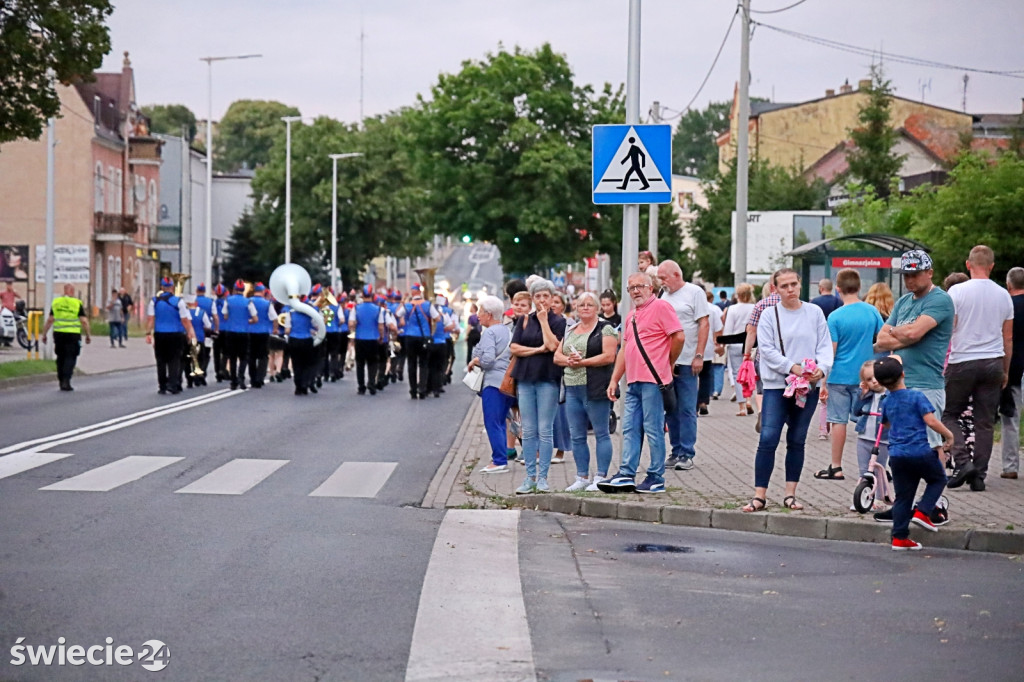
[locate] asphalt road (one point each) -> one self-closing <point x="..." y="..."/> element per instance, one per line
<point x="477" y="266"/>
<point x="299" y="567"/>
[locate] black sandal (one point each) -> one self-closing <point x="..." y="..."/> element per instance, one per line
<point x="789" y="502"/>
<point x="754" y="507"/>
<point x="832" y="474"/>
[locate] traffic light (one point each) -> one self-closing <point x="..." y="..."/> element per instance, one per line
<point x="516" y="240"/>
<point x="466" y="239"/>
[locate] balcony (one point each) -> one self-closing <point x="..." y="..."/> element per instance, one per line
<point x="113" y="225"/>
<point x="144" y="151"/>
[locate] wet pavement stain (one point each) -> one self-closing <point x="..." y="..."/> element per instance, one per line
<point x="648" y="548"/>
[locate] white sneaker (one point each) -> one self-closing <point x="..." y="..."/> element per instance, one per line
<point x="578" y="485"/>
<point x="592" y="488"/>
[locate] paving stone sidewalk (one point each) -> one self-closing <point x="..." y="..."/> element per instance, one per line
<point x="721" y="481"/>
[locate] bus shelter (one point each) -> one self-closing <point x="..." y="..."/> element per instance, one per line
<point x="875" y="256"/>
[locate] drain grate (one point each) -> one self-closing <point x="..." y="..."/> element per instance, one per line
<point x="648" y="548"/>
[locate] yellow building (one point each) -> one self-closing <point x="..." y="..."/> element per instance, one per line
<point x="799" y="134"/>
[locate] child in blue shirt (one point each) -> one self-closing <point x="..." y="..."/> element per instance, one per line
<point x="909" y="415"/>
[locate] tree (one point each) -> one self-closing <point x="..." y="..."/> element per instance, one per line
<point x="771" y="188"/>
<point x="694" y="146"/>
<point x="170" y="119"/>
<point x="43" y="43"/>
<point x="247" y="132"/>
<point x="872" y="160"/>
<point x="503" y="148"/>
<point x="245" y="259"/>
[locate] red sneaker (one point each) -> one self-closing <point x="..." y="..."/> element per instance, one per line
<point x="921" y="519"/>
<point x="904" y="545"/>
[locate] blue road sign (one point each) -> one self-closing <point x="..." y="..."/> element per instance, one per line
<point x="632" y="164"/>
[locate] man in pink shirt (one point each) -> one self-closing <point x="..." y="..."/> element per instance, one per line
<point x="661" y="336"/>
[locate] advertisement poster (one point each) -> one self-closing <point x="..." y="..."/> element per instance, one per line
<point x="14" y="263"/>
<point x="70" y="263"/>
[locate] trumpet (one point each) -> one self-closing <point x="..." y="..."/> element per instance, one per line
<point x="323" y="304"/>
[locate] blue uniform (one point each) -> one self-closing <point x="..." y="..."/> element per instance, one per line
<point x="237" y="315"/>
<point x="197" y="323"/>
<point x="167" y="316"/>
<point x="302" y="324"/>
<point x="264" y="319"/>
<point x="368" y="315"/>
<point x="205" y="303"/>
<point x="417" y="320"/>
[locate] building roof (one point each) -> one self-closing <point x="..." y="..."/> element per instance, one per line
<point x="833" y="163"/>
<point x="881" y="241"/>
<point x="757" y="108"/>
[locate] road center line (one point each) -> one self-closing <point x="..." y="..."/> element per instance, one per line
<point x="471" y="623"/>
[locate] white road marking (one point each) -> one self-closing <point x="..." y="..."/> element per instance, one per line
<point x="471" y="623"/>
<point x="356" y="479"/>
<point x="132" y="419"/>
<point x="110" y="476"/>
<point x="23" y="461"/>
<point x="115" y="420"/>
<point x="234" y="478"/>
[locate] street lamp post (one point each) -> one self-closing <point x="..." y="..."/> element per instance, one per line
<point x="288" y="120"/>
<point x="334" y="215"/>
<point x="208" y="246"/>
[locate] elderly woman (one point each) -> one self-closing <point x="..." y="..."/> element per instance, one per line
<point x="588" y="356"/>
<point x="534" y="341"/>
<point x="790" y="336"/>
<point x="492" y="354"/>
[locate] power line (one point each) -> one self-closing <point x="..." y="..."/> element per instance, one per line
<point x="710" y="70"/>
<point x="867" y="52"/>
<point x="776" y="11"/>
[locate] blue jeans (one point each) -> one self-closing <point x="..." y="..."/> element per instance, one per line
<point x="579" y="409"/>
<point x="115" y="332"/>
<point x="778" y="411"/>
<point x="907" y="472"/>
<point x="719" y="374"/>
<point x="643" y="413"/>
<point x="495" y="406"/>
<point x="538" y="401"/>
<point x="682" y="424"/>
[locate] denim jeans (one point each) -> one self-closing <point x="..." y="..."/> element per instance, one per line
<point x="115" y="332"/>
<point x="538" y="401"/>
<point x="778" y="411"/>
<point x="643" y="413"/>
<point x="495" y="406"/>
<point x="579" y="409"/>
<point x="682" y="424"/>
<point x="907" y="472"/>
<point x="719" y="373"/>
<point x="1011" y="435"/>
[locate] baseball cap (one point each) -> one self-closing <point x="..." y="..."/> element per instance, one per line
<point x="201" y="287"/>
<point x="167" y="282"/>
<point x="368" y="290"/>
<point x="888" y="370"/>
<point x="913" y="261"/>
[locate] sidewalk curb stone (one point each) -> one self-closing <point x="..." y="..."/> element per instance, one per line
<point x="731" y="519"/>
<point x="607" y="509"/>
<point x="798" y="526"/>
<point x="685" y="516"/>
<point x="1004" y="542"/>
<point x="634" y="511"/>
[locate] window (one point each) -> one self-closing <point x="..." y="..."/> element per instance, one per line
<point x="116" y="280"/>
<point x="97" y="201"/>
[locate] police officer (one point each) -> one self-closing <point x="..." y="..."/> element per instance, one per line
<point x="367" y="319"/>
<point x="67" y="318"/>
<point x="220" y="355"/>
<point x="206" y="304"/>
<point x="167" y="323"/>
<point x="200" y="323"/>
<point x="299" y="326"/>
<point x="259" y="335"/>
<point x="418" y="319"/>
<point x="240" y="313"/>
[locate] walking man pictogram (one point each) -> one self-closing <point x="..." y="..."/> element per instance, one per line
<point x="637" y="160"/>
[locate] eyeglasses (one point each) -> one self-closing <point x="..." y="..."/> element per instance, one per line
<point x="638" y="287"/>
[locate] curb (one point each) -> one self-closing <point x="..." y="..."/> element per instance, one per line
<point x="51" y="376"/>
<point x="788" y="524"/>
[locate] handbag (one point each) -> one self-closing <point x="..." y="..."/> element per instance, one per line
<point x="668" y="391"/>
<point x="508" y="382"/>
<point x="474" y="378"/>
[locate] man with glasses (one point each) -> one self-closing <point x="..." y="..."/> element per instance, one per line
<point x="661" y="336"/>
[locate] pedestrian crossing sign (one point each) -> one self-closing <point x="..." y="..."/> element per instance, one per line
<point x="632" y="164"/>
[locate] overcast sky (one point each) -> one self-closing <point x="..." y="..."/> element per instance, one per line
<point x="311" y="50"/>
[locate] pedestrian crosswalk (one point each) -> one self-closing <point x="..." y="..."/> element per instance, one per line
<point x="235" y="477"/>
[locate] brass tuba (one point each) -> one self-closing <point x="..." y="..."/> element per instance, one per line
<point x="179" y="282"/>
<point x="323" y="303"/>
<point x="288" y="283"/>
<point x="426" y="276"/>
<point x="191" y="347"/>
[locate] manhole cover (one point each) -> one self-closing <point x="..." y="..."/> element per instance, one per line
<point x="646" y="548"/>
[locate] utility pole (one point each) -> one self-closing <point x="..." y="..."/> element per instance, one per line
<point x="631" y="212"/>
<point x="652" y="219"/>
<point x="51" y="142"/>
<point x="742" y="142"/>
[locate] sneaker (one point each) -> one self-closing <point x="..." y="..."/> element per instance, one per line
<point x="703" y="410"/>
<point x="651" y="485"/>
<point x="511" y="454"/>
<point x="822" y="436"/>
<point x="714" y="396"/>
<point x="978" y="484"/>
<point x="904" y="545"/>
<point x="494" y="469"/>
<point x="542" y="486"/>
<point x="617" y="484"/>
<point x="883" y="516"/>
<point x="939" y="517"/>
<point x="961" y="475"/>
<point x="592" y="488"/>
<point x="672" y="461"/>
<point x="1012" y="475"/>
<point x="528" y="486"/>
<point x="921" y="519"/>
<point x="684" y="464"/>
<point x="578" y="485"/>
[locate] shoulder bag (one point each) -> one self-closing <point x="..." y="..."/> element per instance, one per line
<point x="508" y="383"/>
<point x="474" y="378"/>
<point x="668" y="391"/>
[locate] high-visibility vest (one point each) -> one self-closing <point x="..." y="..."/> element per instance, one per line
<point x="65" y="315"/>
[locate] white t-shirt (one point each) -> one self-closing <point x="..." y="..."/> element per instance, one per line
<point x="691" y="304"/>
<point x="736" y="317"/>
<point x="714" y="326"/>
<point x="981" y="308"/>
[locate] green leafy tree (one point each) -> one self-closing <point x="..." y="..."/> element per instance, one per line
<point x="45" y="42"/>
<point x="247" y="132"/>
<point x="503" y="148"/>
<point x="245" y="257"/>
<point x="873" y="161"/>
<point x="171" y="119"/>
<point x="694" y="146"/>
<point x="771" y="188"/>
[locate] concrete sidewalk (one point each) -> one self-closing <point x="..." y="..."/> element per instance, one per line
<point x="710" y="494"/>
<point x="96" y="358"/>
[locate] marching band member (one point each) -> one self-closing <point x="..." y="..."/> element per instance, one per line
<point x="300" y="347"/>
<point x="332" y="342"/>
<point x="418" y="318"/>
<point x="240" y="314"/>
<point x="206" y="304"/>
<point x="220" y="355"/>
<point x="167" y="323"/>
<point x="259" y="335"/>
<point x="397" y="362"/>
<point x="200" y="323"/>
<point x="368" y="320"/>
